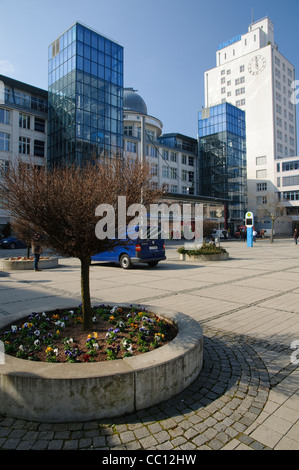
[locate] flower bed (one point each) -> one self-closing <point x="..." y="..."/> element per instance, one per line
<point x="58" y="337"/>
<point x="24" y="263"/>
<point x="68" y="392"/>
<point x="208" y="252"/>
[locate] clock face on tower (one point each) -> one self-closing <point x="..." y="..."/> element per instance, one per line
<point x="257" y="64"/>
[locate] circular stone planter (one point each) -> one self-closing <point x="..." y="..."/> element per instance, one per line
<point x="13" y="265"/>
<point x="217" y="257"/>
<point x="65" y="392"/>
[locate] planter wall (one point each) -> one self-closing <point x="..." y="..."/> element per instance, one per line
<point x="81" y="392"/>
<point x="217" y="257"/>
<point x="12" y="265"/>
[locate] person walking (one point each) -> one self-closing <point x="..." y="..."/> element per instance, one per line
<point x="36" y="248"/>
<point x="296" y="236"/>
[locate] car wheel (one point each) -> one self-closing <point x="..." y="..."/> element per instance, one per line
<point x="125" y="262"/>
<point x="152" y="264"/>
<point x="12" y="246"/>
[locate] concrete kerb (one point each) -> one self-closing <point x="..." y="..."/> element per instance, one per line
<point x="56" y="392"/>
<point x="20" y="265"/>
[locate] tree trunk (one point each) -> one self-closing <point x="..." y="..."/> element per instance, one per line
<point x="85" y="294"/>
<point x="272" y="230"/>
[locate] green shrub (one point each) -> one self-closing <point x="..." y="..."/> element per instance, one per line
<point x="206" y="249"/>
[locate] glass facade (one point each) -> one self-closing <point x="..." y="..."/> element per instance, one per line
<point x="85" y="97"/>
<point x="222" y="156"/>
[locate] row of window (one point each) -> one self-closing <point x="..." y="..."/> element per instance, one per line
<point x="228" y="71"/>
<point x="26" y="101"/>
<point x="288" y="166"/>
<point x="238" y="81"/>
<point x="24" y="120"/>
<point x="172" y="173"/>
<point x="24" y="145"/>
<point x="173" y="188"/>
<point x="287" y="152"/>
<point x="284" y="67"/>
<point x="238" y="91"/>
<point x="150" y="151"/>
<point x="287" y="139"/>
<point x="284" y="124"/>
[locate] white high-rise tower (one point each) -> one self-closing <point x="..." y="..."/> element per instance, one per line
<point x="252" y="74"/>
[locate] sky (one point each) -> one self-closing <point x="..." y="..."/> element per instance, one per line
<point x="168" y="44"/>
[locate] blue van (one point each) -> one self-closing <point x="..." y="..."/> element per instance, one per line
<point x="149" y="251"/>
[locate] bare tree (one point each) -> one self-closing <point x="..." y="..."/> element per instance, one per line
<point x="273" y="211"/>
<point x="60" y="203"/>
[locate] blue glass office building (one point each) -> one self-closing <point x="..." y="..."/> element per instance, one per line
<point x="85" y="97"/>
<point x="222" y="157"/>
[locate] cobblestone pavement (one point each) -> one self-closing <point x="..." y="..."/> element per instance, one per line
<point x="246" y="396"/>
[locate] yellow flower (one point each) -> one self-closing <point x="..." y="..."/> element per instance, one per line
<point x="111" y="318"/>
<point x="58" y="332"/>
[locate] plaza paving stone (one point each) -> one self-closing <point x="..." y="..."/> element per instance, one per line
<point x="246" y="396"/>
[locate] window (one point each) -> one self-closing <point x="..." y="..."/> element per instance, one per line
<point x="261" y="173"/>
<point x="165" y="154"/>
<point x="153" y="152"/>
<point x="261" y="200"/>
<point x="39" y="148"/>
<point x="261" y="160"/>
<point x="165" y="171"/>
<point x="4" y="116"/>
<point x="184" y="159"/>
<point x="128" y="130"/>
<point x="173" y="173"/>
<point x="191" y="161"/>
<point x="131" y="147"/>
<point x="261" y="187"/>
<point x="4" y="142"/>
<point x="4" y="166"/>
<point x="242" y="68"/>
<point x="154" y="169"/>
<point x="24" y="145"/>
<point x="290" y="181"/>
<point x="289" y="166"/>
<point x="222" y="90"/>
<point x="173" y="157"/>
<point x="24" y="121"/>
<point x="222" y="80"/>
<point x="174" y="188"/>
<point x="191" y="176"/>
<point x="39" y="125"/>
<point x="184" y="175"/>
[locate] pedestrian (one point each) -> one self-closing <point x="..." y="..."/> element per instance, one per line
<point x="36" y="248"/>
<point x="254" y="233"/>
<point x="296" y="236"/>
<point x="244" y="235"/>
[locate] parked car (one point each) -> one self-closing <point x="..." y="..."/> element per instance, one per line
<point x="149" y="251"/>
<point x="12" y="242"/>
<point x="219" y="234"/>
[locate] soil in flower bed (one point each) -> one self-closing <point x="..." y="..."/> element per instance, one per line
<point x="58" y="336"/>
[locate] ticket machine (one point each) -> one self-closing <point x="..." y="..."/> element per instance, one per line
<point x="249" y="222"/>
